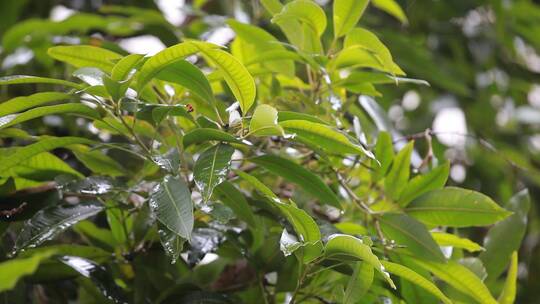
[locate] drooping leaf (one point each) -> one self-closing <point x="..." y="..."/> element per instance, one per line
<point x="434" y="179"/>
<point x="505" y="237"/>
<point x="22" y="103"/>
<point x="189" y="76"/>
<point x="459" y="277"/>
<point x="346" y="15"/>
<point x="508" y="294"/>
<point x="72" y="108"/>
<point x="51" y="221"/>
<point x="201" y="135"/>
<point x="414" y="235"/>
<point x="171" y="203"/>
<point x="15" y="269"/>
<point x="44" y="145"/>
<point x="211" y="168"/>
<point x="359" y="284"/>
<point x="299" y="175"/>
<point x="24" y="79"/>
<point x="171" y="242"/>
<point x="319" y="135"/>
<point x="85" y="56"/>
<point x="413" y="277"/>
<point x="392" y="8"/>
<point x="346" y="246"/>
<point x="398" y="176"/>
<point x="447" y="239"/>
<point x="235" y="200"/>
<point x="264" y="122"/>
<point x="456" y="207"/>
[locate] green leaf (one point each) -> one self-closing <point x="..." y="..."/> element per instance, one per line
<point x="459" y="277"/>
<point x="171" y="242"/>
<point x="51" y="221"/>
<point x="415" y="278"/>
<point x="207" y="134"/>
<point x="289" y="115"/>
<point x="505" y="237"/>
<point x="508" y="294"/>
<point x="70" y="108"/>
<point x="306" y="11"/>
<point x="22" y="103"/>
<point x="297" y="174"/>
<point x="447" y="239"/>
<point x="398" y="176"/>
<point x="211" y="168"/>
<point x="346" y="246"/>
<point x="189" y="76"/>
<point x="264" y="122"/>
<point x="323" y="136"/>
<point x="414" y="235"/>
<point x="392" y="8"/>
<point x="346" y="15"/>
<point x="96" y="161"/>
<point x="122" y="69"/>
<point x="13" y="270"/>
<point x="456" y="207"/>
<point x="85" y="56"/>
<point x="23" y="79"/>
<point x="234" y="199"/>
<point x="360" y="282"/>
<point x="171" y="203"/>
<point x="306" y="229"/>
<point x="236" y="75"/>
<point x="384" y="153"/>
<point x="289" y="27"/>
<point x="434" y="179"/>
<point x="257" y="184"/>
<point x="46" y="144"/>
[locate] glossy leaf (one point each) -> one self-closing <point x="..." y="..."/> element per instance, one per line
<point x="171" y="203"/>
<point x="15" y="269"/>
<point x="412" y="234"/>
<point x="297" y="174"/>
<point x="456" y="207"/>
<point x="85" y="56"/>
<point x="341" y="245"/>
<point x="211" y="168"/>
<point x="398" y="176"/>
<point x="434" y="179"/>
<point x="22" y="103"/>
<point x="319" y="135"/>
<point x="201" y="135"/>
<point x="51" y="221"/>
<point x="346" y="15"/>
<point x="171" y="242"/>
<point x="413" y="277"/>
<point x="306" y="229"/>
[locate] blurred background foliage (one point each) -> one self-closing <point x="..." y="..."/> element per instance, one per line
<point x="480" y="57"/>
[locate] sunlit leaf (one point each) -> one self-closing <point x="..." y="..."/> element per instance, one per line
<point x="85" y="56"/>
<point x="346" y="15"/>
<point x="15" y="269"/>
<point x="264" y="122"/>
<point x="22" y="103"/>
<point x="447" y="239"/>
<point x="508" y="294"/>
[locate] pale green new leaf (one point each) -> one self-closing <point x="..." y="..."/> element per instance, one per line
<point x="346" y="15"/>
<point x="171" y="203"/>
<point x="122" y="69"/>
<point x="398" y="176"/>
<point x="44" y="145"/>
<point x="413" y="277"/>
<point x="85" y="56"/>
<point x="13" y="270"/>
<point x="508" y="294"/>
<point x="347" y="246"/>
<point x="306" y="11"/>
<point x="459" y="277"/>
<point x="22" y="103"/>
<point x="264" y="122"/>
<point x="322" y="136"/>
<point x="24" y="79"/>
<point x="447" y="239"/>
<point x="456" y="207"/>
<point x="211" y="168"/>
<point x="392" y="8"/>
<point x="306" y="228"/>
<point x="70" y="108"/>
